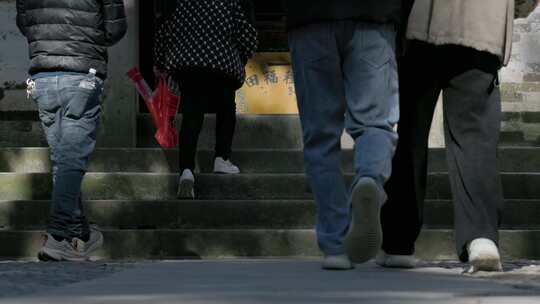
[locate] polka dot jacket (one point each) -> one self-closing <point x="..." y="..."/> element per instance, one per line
<point x="213" y="34"/>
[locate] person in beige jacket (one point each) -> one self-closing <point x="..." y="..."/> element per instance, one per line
<point x="457" y="47"/>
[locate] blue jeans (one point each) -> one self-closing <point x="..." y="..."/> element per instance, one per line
<point x="69" y="109"/>
<point x="346" y="78"/>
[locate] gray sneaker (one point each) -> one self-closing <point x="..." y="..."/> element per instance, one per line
<point x="396" y="261"/>
<point x="337" y="262"/>
<point x="365" y="235"/>
<point x="74" y="251"/>
<point x="186" y="185"/>
<point x="94" y="243"/>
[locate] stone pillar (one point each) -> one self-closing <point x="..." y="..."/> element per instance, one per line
<point x="118" y="125"/>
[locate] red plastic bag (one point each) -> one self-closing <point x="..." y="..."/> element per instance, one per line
<point x="145" y="91"/>
<point x="167" y="107"/>
<point x="162" y="104"/>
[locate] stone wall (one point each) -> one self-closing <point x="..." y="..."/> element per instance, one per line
<point x="521" y="83"/>
<point x="520" y="88"/>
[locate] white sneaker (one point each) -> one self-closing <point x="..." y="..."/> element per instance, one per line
<point x="484" y="256"/>
<point x="186" y="185"/>
<point x="225" y="166"/>
<point x="74" y="251"/>
<point x="395" y="261"/>
<point x="337" y="262"/>
<point x="365" y="235"/>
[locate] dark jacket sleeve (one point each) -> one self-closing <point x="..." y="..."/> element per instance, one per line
<point x="245" y="36"/>
<point x="114" y="15"/>
<point x="21" y="16"/>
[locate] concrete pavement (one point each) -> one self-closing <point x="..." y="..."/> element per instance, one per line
<point x="281" y="281"/>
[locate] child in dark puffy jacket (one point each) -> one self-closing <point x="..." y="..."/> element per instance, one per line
<point x="204" y="46"/>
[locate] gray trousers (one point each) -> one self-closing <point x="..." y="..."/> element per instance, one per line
<point x="69" y="109"/>
<point x="346" y="78"/>
<point x="472" y="121"/>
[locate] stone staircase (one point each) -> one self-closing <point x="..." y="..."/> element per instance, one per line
<point x="267" y="211"/>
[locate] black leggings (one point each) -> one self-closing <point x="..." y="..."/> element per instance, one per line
<point x="201" y="90"/>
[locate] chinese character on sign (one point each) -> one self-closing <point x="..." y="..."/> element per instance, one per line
<point x="292" y="91"/>
<point x="252" y="80"/>
<point x="270" y="76"/>
<point x="289" y="77"/>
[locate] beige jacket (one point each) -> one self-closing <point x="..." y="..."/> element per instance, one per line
<point x="479" y="24"/>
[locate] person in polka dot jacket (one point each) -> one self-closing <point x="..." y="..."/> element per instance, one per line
<point x="204" y="46"/>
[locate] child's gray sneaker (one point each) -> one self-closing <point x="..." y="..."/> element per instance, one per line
<point x="365" y="235"/>
<point x="337" y="262"/>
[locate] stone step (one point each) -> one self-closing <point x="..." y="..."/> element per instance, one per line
<point x="248" y="214"/>
<point x="253" y="132"/>
<point x="153" y="160"/>
<point x="21" y="133"/>
<point x="154" y="186"/>
<point x="196" y="244"/>
<point x="273" y="132"/>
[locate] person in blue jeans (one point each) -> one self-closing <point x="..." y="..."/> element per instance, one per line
<point x="345" y="71"/>
<point x="68" y="42"/>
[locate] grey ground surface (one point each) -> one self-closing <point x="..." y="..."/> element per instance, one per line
<point x="21" y="278"/>
<point x="261" y="281"/>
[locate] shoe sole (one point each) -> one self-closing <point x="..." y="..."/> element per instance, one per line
<point x="336" y="268"/>
<point x="224" y="172"/>
<point x="490" y="263"/>
<point x="44" y="257"/>
<point x="185" y="190"/>
<point x="397" y="263"/>
<point x="51" y="255"/>
<point x="365" y="237"/>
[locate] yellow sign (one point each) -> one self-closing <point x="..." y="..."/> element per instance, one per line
<point x="269" y="87"/>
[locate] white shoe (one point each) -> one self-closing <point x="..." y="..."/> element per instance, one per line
<point x="186" y="185"/>
<point x="225" y="166"/>
<point x="365" y="235"/>
<point x="396" y="261"/>
<point x="337" y="262"/>
<point x="484" y="256"/>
